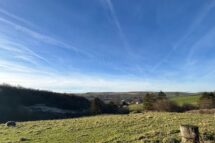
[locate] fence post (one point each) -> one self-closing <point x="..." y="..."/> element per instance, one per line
<point x="189" y="133"/>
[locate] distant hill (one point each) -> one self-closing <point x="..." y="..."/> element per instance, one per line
<point x="18" y="103"/>
<point x="128" y="96"/>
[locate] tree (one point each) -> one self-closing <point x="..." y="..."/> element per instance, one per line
<point x="161" y="95"/>
<point x="111" y="108"/>
<point x="148" y="101"/>
<point x="97" y="106"/>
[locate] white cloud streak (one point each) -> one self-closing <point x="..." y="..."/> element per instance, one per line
<point x="20" y="50"/>
<point x="109" y="5"/>
<point x="82" y="83"/>
<point x="16" y="74"/>
<point x="16" y="17"/>
<point x="14" y="67"/>
<point x="38" y="36"/>
<point x="193" y="27"/>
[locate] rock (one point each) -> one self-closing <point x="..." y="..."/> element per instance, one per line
<point x="22" y="139"/>
<point x="11" y="124"/>
<point x="141" y="138"/>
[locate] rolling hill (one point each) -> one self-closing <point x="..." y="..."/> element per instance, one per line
<point x="17" y="103"/>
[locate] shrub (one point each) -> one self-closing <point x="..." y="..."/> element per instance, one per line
<point x="159" y="102"/>
<point x="209" y="136"/>
<point x="187" y="107"/>
<point x="123" y="110"/>
<point x="207" y="101"/>
<point x="166" y="105"/>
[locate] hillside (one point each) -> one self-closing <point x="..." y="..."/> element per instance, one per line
<point x="107" y="128"/>
<point x="17" y="103"/>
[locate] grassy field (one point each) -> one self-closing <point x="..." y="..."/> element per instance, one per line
<point x="180" y="100"/>
<point x="136" y="107"/>
<point x="106" y="128"/>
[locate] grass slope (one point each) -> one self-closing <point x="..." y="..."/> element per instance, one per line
<point x="106" y="128"/>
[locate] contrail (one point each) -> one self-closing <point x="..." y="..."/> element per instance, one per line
<point x="110" y="6"/>
<point x="192" y="28"/>
<point x="39" y="36"/>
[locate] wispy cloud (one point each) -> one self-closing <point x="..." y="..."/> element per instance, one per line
<point x="20" y="50"/>
<point x="196" y="58"/>
<point x="87" y="83"/>
<point x="206" y="42"/>
<point x="192" y="28"/>
<point x="24" y="56"/>
<point x="38" y="36"/>
<point x="14" y="67"/>
<point x="109" y="5"/>
<point x="16" y="17"/>
<point x="131" y="55"/>
<point x="71" y="83"/>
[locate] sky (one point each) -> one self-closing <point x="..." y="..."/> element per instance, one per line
<point x="108" y="45"/>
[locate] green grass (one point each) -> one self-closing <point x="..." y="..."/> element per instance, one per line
<point x="136" y="107"/>
<point x="180" y="100"/>
<point x="106" y="128"/>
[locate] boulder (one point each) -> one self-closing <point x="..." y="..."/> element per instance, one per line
<point x="11" y="124"/>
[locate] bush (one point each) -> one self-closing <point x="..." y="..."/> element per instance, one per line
<point x="123" y="110"/>
<point x="209" y="136"/>
<point x="207" y="101"/>
<point x="166" y="105"/>
<point x="159" y="102"/>
<point x="187" y="107"/>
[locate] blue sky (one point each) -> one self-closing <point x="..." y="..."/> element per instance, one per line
<point x="108" y="45"/>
